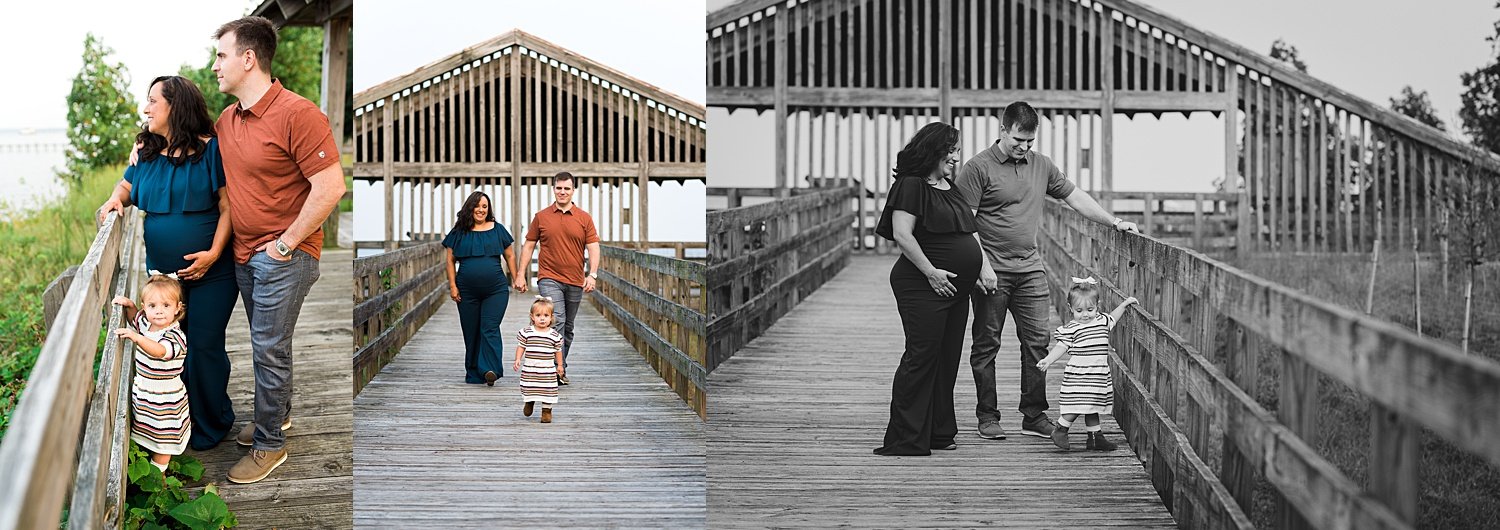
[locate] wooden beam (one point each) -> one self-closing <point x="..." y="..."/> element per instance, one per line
<point x="335" y="89"/>
<point x="944" y="31"/>
<point x="779" y="96"/>
<point x="1107" y="110"/>
<point x="515" y="149"/>
<point x="388" y="175"/>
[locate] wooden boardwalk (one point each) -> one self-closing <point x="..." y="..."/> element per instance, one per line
<point x="432" y="451"/>
<point x="794" y="415"/>
<point x="313" y="489"/>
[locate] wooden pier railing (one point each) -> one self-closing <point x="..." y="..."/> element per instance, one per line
<point x="764" y="259"/>
<point x="1207" y="339"/>
<point x="394" y="294"/>
<point x="70" y="431"/>
<point x="657" y="303"/>
<point x="1205" y="222"/>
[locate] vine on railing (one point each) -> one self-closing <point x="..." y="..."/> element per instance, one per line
<point x="42" y="457"/>
<point x="394" y="294"/>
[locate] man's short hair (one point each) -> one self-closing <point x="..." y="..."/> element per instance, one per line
<point x="563" y="175"/>
<point x="253" y="33"/>
<point x="1021" y="115"/>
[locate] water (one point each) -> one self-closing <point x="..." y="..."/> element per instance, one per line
<point x="28" y="161"/>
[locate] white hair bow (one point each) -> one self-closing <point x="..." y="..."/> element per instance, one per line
<point x="547" y="298"/>
<point x="154" y="272"/>
<point x="1089" y="280"/>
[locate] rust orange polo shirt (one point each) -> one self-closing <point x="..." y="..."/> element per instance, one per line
<point x="562" y="236"/>
<point x="269" y="151"/>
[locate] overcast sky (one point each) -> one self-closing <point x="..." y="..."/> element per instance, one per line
<point x="1370" y="48"/>
<point x="656" y="41"/>
<point x="41" y="45"/>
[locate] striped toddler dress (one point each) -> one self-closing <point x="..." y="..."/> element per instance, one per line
<point x="157" y="396"/>
<point x="1086" y="386"/>
<point x="539" y="366"/>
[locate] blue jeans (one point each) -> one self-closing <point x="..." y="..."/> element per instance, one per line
<point x="1026" y="296"/>
<point x="272" y="292"/>
<point x="565" y="300"/>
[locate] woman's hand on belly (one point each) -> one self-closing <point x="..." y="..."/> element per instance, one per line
<point x="198" y="265"/>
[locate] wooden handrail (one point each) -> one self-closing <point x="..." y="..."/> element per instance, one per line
<point x="394" y="294"/>
<point x="1191" y="353"/>
<point x="657" y="303"/>
<point x="763" y="259"/>
<point x="49" y="439"/>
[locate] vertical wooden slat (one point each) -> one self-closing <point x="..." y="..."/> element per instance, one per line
<point x="1107" y="108"/>
<point x="1231" y="164"/>
<point x="944" y="32"/>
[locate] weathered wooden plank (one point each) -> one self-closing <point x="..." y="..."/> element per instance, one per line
<point x="835" y="404"/>
<point x="314" y="487"/>
<point x="40" y="448"/>
<point x="634" y="455"/>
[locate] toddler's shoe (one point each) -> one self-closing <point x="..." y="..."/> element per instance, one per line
<point x="546" y="415"/>
<point x="528" y="408"/>
<point x="1060" y="438"/>
<point x="1098" y="443"/>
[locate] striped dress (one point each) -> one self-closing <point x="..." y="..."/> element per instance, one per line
<point x="159" y="400"/>
<point x="1086" y="386"/>
<point x="539" y="366"/>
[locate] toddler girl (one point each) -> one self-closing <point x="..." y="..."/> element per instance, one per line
<point x="541" y="348"/>
<point x="161" y="423"/>
<point x="1086" y="385"/>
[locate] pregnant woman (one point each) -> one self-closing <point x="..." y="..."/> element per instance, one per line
<point x="481" y="286"/>
<point x="940" y="261"/>
<point x="178" y="184"/>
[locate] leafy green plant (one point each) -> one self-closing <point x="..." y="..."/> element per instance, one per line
<point x="102" y="119"/>
<point x="157" y="501"/>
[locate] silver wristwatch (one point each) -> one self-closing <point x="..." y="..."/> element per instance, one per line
<point x="282" y="249"/>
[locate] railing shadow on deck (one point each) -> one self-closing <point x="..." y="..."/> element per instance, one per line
<point x="1186" y="374"/>
<point x="764" y="259"/>
<point x="52" y="444"/>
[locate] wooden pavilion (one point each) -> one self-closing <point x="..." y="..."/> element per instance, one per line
<point x="505" y="116"/>
<point x="1307" y="165"/>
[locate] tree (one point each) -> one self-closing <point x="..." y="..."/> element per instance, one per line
<point x="298" y="64"/>
<point x="1416" y="105"/>
<point x="1287" y="53"/>
<point x="102" y="115"/>
<point x="1473" y="198"/>
<point x="1481" y="98"/>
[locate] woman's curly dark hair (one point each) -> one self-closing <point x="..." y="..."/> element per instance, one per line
<point x="188" y="119"/>
<point x="466" y="213"/>
<point x="928" y="147"/>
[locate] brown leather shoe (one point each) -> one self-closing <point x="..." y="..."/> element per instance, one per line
<point x="256" y="466"/>
<point x="527" y="410"/>
<point x="546" y="415"/>
<point x="246" y="437"/>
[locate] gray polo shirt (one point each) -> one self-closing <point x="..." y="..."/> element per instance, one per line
<point x="1007" y="193"/>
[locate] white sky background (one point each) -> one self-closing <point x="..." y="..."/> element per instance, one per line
<point x="656" y="41"/>
<point x="41" y="48"/>
<point x="1370" y="48"/>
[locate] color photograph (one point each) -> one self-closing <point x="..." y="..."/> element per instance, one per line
<point x="529" y="324"/>
<point x="176" y="321"/>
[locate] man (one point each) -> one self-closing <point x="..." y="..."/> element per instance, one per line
<point x="564" y="231"/>
<point x="283" y="178"/>
<point x="1005" y="184"/>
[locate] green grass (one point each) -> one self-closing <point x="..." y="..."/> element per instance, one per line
<point x="33" y="251"/>
<point x="1457" y="490"/>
